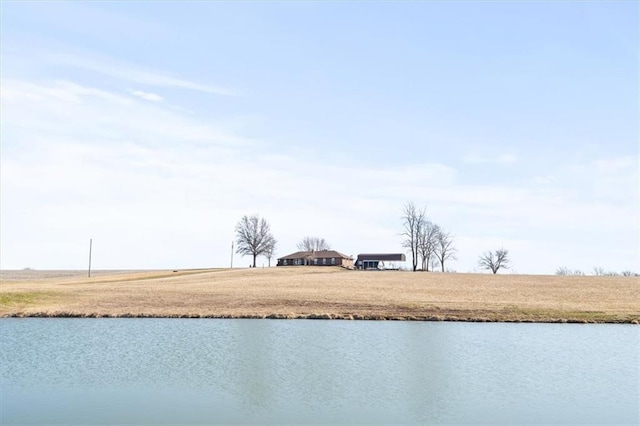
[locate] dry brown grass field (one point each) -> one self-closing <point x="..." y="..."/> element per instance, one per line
<point x="320" y="292"/>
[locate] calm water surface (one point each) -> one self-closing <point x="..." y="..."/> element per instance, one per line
<point x="172" y="371"/>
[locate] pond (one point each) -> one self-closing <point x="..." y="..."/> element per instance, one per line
<point x="196" y="371"/>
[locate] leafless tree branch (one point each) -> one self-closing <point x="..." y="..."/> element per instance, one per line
<point x="444" y="248"/>
<point x="269" y="252"/>
<point x="313" y="244"/>
<point x="427" y="241"/>
<point x="253" y="237"/>
<point x="412" y="222"/>
<point x="493" y="261"/>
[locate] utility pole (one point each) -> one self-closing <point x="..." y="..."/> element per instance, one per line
<point x="90" y="244"/>
<point x="231" y="254"/>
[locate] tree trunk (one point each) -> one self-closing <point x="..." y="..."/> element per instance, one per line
<point x="415" y="260"/>
<point x="254" y="260"/>
<point x="442" y="264"/>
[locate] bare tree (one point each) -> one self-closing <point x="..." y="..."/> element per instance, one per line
<point x="253" y="236"/>
<point x="495" y="260"/>
<point x="427" y="240"/>
<point x="313" y="244"/>
<point x="269" y="252"/>
<point x="444" y="249"/>
<point x="563" y="270"/>
<point x="412" y="222"/>
<point x="434" y="263"/>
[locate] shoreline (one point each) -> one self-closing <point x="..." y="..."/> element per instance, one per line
<point x="338" y="317"/>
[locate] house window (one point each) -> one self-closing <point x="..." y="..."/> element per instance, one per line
<point x="333" y="260"/>
<point x="284" y="262"/>
<point x="315" y="261"/>
<point x="324" y="261"/>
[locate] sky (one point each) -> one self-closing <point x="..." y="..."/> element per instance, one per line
<point x="153" y="127"/>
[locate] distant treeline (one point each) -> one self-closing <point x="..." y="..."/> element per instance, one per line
<point x="597" y="271"/>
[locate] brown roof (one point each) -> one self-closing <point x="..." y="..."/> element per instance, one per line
<point x="390" y="257"/>
<point x="315" y="255"/>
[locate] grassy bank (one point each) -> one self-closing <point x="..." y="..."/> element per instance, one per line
<point x="317" y="292"/>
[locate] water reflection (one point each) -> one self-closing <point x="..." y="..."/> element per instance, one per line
<point x="99" y="371"/>
<point x="249" y="365"/>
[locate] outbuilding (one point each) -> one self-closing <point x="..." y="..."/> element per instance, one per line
<point x="380" y="260"/>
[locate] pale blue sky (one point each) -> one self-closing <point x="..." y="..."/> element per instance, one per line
<point x="152" y="127"/>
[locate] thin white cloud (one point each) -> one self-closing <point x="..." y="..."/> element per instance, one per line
<point x="614" y="179"/>
<point x="504" y="158"/>
<point x="617" y="164"/>
<point x="147" y="96"/>
<point x="54" y="110"/>
<point x="22" y="93"/>
<point x="130" y="72"/>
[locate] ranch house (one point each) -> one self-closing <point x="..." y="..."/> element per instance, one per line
<point x="317" y="258"/>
